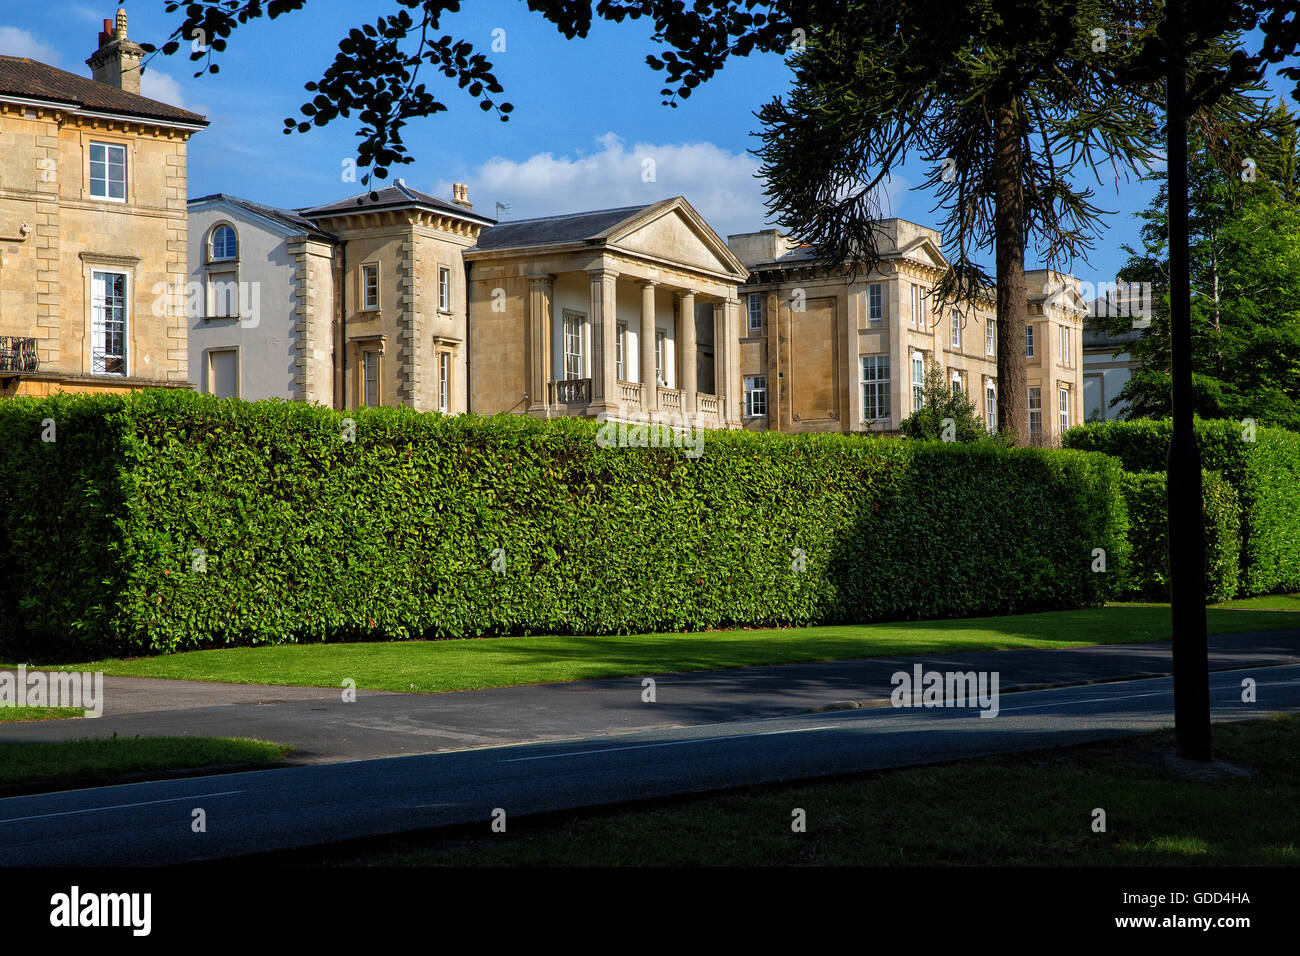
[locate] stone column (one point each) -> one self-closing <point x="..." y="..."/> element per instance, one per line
<point x="733" y="387"/>
<point x="540" y="298"/>
<point x="604" y="330"/>
<point x="646" y="345"/>
<point x="687" y="352"/>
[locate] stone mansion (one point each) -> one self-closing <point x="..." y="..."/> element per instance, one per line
<point x="111" y="280"/>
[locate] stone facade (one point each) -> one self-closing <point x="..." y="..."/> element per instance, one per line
<point x="822" y="350"/>
<point x="93" y="228"/>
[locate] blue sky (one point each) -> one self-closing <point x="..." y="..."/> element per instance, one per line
<point x="587" y="114"/>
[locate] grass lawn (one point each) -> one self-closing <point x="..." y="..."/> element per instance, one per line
<point x="93" y="763"/>
<point x="15" y="714"/>
<point x="1277" y="602"/>
<point x="429" y="666"/>
<point x="1031" y="809"/>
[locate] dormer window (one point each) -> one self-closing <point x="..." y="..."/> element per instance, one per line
<point x="225" y="244"/>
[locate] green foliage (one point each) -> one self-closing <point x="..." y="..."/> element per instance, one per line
<point x="943" y="403"/>
<point x="1244" y="249"/>
<point x="308" y="537"/>
<point x="1265" y="473"/>
<point x="1146" y="577"/>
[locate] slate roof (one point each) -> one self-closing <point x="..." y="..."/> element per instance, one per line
<point x="285" y="216"/>
<point x="549" y="230"/>
<point x="31" y="79"/>
<point x="390" y="197"/>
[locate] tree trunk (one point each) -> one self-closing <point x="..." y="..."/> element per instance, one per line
<point x="1012" y="293"/>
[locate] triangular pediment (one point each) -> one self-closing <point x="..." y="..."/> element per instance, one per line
<point x="673" y="232"/>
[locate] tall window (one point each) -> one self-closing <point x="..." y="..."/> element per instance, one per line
<point x="108" y="172"/>
<point x="444" y="288"/>
<point x="875" y="387"/>
<point x="660" y="339"/>
<point x="755" y="396"/>
<point x="1029" y="341"/>
<point x="875" y="304"/>
<point x="108" y="322"/>
<point x="916" y="306"/>
<point x="1035" y="414"/>
<point x="444" y="382"/>
<point x="956" y="384"/>
<point x="370" y="377"/>
<point x="225" y="244"/>
<point x="370" y="287"/>
<point x="918" y="381"/>
<point x="990" y="336"/>
<point x="991" y="406"/>
<point x="956" y="329"/>
<point x="1063" y="399"/>
<point x="1065" y="346"/>
<point x="572" y="345"/>
<point x="620" y="361"/>
<point x="755" y="306"/>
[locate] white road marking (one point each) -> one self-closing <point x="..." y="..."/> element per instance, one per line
<point x="668" y="743"/>
<point x="122" y="806"/>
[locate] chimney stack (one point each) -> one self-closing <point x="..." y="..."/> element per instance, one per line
<point x="460" y="195"/>
<point x="117" y="61"/>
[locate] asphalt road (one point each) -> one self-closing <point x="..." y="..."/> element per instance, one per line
<point x="321" y="728"/>
<point x="150" y="823"/>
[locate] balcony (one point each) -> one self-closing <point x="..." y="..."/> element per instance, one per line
<point x="571" y="391"/>
<point x="18" y="355"/>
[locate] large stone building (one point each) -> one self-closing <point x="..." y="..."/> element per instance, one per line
<point x="93" y="226"/>
<point x="407" y="299"/>
<point x="825" y="351"/>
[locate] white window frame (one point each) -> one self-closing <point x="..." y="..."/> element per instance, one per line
<point x="108" y="165"/>
<point x="1029" y="340"/>
<point x="444" y="381"/>
<point x="957" y="387"/>
<point x="755" y="396"/>
<point x="444" y="289"/>
<point x="875" y="305"/>
<point x="367" y="304"/>
<point x="1063" y="406"/>
<point x="990" y="336"/>
<point x="620" y="352"/>
<point x="1035" y="409"/>
<point x="991" y="406"/>
<point x="754" y="310"/>
<point x="1063" y="338"/>
<point x="99" y="325"/>
<point x="661" y="346"/>
<point x="918" y="381"/>
<point x="955" y="339"/>
<point x="875" y="387"/>
<point x="371" y="357"/>
<point x="572" y="334"/>
<point x="212" y="243"/>
<point x="917" y="310"/>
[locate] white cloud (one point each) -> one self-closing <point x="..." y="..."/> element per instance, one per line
<point x="16" y="42"/>
<point x="165" y="89"/>
<point x="721" y="185"/>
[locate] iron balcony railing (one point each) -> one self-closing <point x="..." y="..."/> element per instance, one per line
<point x="18" y="354"/>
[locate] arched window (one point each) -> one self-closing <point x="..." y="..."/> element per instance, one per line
<point x="225" y="244"/>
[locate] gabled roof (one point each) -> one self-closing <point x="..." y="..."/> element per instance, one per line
<point x="550" y="230"/>
<point x="617" y="228"/>
<point x="29" y="79"/>
<point x="287" y="218"/>
<point x="397" y="196"/>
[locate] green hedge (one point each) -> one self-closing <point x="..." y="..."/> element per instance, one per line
<point x="1146" y="577"/>
<point x="1265" y="474"/>
<point x="309" y="537"/>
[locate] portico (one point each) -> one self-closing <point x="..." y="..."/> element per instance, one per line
<point x="622" y="312"/>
